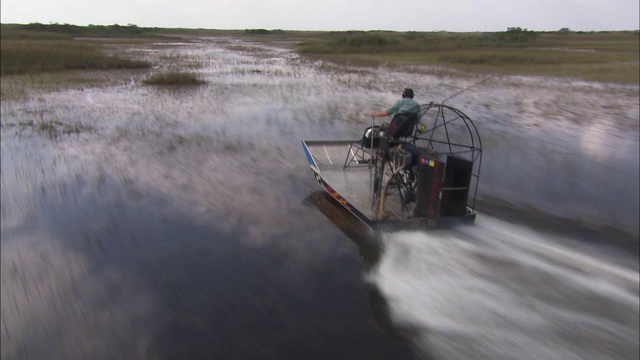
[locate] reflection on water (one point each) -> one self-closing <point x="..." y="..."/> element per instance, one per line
<point x="371" y="249"/>
<point x="128" y="281"/>
<point x="174" y="224"/>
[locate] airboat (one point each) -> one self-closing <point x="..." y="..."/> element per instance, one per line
<point x="425" y="179"/>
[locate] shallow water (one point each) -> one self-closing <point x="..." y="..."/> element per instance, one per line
<point x="179" y="222"/>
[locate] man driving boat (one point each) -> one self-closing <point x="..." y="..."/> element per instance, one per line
<point x="405" y="111"/>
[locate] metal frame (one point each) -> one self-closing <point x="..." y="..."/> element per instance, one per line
<point x="449" y="133"/>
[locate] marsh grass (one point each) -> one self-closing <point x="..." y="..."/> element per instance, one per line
<point x="33" y="56"/>
<point x="598" y="56"/>
<point x="21" y="86"/>
<point x="56" y="129"/>
<point x="173" y="78"/>
<point x="50" y="128"/>
<point x="27" y="52"/>
<point x="606" y="56"/>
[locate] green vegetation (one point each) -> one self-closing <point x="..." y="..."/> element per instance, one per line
<point x="596" y="56"/>
<point x="91" y="30"/>
<point x="173" y="78"/>
<point x="53" y="129"/>
<point x="30" y="56"/>
<point x="514" y="35"/>
<point x="28" y="50"/>
<point x="263" y="31"/>
<point x="385" y="41"/>
<point x="601" y="56"/>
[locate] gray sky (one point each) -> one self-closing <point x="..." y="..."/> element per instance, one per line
<point x="417" y="15"/>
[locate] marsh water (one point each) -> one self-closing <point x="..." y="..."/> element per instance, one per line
<point x="184" y="222"/>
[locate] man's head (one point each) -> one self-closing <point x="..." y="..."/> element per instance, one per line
<point x="407" y="93"/>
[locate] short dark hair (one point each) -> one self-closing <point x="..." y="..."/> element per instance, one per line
<point x="407" y="93"/>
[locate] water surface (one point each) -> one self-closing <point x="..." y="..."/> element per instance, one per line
<point x="182" y="223"/>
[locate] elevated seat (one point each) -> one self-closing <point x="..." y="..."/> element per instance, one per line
<point x="403" y="126"/>
<point x="363" y="151"/>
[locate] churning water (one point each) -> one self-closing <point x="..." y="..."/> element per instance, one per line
<point x="501" y="291"/>
<point x="177" y="223"/>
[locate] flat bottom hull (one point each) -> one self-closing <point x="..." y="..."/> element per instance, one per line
<point x="351" y="187"/>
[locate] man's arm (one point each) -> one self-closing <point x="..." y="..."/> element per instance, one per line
<point x="389" y="111"/>
<point x="379" y="113"/>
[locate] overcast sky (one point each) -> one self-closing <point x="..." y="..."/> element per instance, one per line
<point x="399" y="15"/>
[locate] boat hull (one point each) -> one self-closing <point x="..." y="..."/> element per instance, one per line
<point x="351" y="188"/>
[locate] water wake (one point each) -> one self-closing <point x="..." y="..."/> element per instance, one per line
<point x="500" y="291"/>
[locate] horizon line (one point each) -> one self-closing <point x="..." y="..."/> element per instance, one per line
<point x="314" y="30"/>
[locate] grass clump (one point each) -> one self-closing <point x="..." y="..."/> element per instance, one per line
<point x="51" y="128"/>
<point x="365" y="43"/>
<point x="173" y="78"/>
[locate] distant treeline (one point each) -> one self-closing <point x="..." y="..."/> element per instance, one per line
<point x="601" y="55"/>
<point x="94" y="30"/>
<point x="515" y="35"/>
<point x="115" y="30"/>
<point x="263" y="31"/>
<point x="362" y="42"/>
<point x="413" y="41"/>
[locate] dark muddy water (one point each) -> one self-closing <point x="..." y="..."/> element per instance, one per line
<point x="184" y="223"/>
